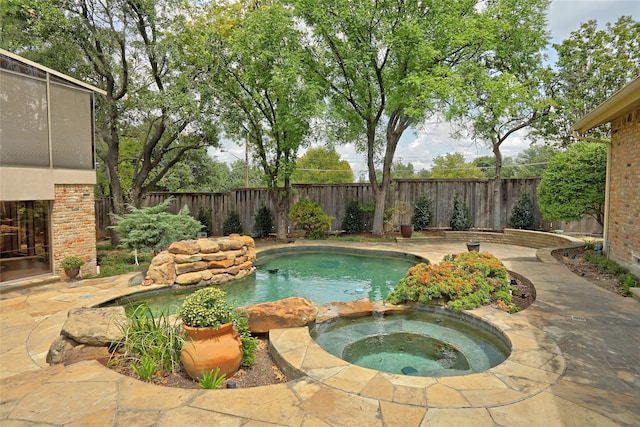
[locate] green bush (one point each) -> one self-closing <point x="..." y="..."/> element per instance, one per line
<point x="310" y="216"/>
<point x="461" y="219"/>
<point x="204" y="216"/>
<point x="232" y="224"/>
<point x="522" y="214"/>
<point x="72" y="262"/>
<point x="464" y="281"/>
<point x="422" y="213"/>
<point x="153" y="228"/>
<point x="353" y="221"/>
<point x="264" y="222"/>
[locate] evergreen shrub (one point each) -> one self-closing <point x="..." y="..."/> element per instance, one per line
<point x="353" y="221"/>
<point x="522" y="214"/>
<point x="264" y="222"/>
<point x="232" y="224"/>
<point x="461" y="219"/>
<point x="422" y="213"/>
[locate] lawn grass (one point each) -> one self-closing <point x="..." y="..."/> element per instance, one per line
<point x="116" y="261"/>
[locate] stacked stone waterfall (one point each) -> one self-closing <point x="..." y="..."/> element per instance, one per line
<point x="207" y="261"/>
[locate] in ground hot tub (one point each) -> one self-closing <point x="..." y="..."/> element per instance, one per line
<point x="430" y="342"/>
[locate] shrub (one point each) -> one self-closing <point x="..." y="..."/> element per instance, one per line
<point x="461" y="219"/>
<point x="206" y="308"/>
<point x="353" y="221"/>
<point x="232" y="224"/>
<point x="464" y="281"/>
<point x="72" y="262"/>
<point x="522" y="214"/>
<point x="310" y="216"/>
<point x="264" y="222"/>
<point x="153" y="228"/>
<point x="204" y="216"/>
<point x="422" y="213"/>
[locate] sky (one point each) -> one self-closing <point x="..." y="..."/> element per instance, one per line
<point x="431" y="139"/>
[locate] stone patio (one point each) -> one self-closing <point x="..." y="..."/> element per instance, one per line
<point x="574" y="363"/>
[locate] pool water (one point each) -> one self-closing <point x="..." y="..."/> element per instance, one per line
<point x="435" y="343"/>
<point x="321" y="276"/>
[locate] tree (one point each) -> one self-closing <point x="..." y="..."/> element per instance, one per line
<point x="153" y="228"/>
<point x="386" y="65"/>
<point x="127" y="48"/>
<point x="533" y="161"/>
<point x="506" y="86"/>
<point x="452" y="165"/>
<point x="400" y="170"/>
<point x="573" y="186"/>
<point x="322" y="166"/>
<point x="592" y="64"/>
<point x="261" y="91"/>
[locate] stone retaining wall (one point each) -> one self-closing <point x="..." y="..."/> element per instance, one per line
<point x="201" y="262"/>
<point x="530" y="239"/>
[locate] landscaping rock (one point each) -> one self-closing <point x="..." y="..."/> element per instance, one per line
<point x="84" y="352"/>
<point x="357" y="308"/>
<point x="208" y="246"/>
<point x="95" y="326"/>
<point x="58" y="348"/>
<point x="287" y="313"/>
<point x="184" y="247"/>
<point x="162" y="270"/>
<point x="383" y="307"/>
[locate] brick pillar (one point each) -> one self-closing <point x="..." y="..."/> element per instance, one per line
<point x="74" y="226"/>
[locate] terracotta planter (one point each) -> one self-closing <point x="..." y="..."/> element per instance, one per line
<point x="406" y="230"/>
<point x="206" y="349"/>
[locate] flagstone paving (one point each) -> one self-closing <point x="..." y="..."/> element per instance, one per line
<point x="575" y="362"/>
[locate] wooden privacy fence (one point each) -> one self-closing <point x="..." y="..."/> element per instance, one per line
<point x="477" y="193"/>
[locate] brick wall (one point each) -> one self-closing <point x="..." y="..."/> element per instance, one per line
<point x="74" y="226"/>
<point x="624" y="206"/>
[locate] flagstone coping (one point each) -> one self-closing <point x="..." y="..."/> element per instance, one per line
<point x="535" y="364"/>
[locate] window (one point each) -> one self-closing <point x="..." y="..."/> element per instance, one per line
<point x="24" y="239"/>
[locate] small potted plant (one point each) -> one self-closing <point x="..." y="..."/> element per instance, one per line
<point x="212" y="342"/>
<point x="71" y="265"/>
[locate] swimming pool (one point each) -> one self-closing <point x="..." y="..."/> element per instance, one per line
<point x="322" y="275"/>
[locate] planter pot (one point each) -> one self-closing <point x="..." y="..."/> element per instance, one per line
<point x="406" y="230"/>
<point x="473" y="246"/>
<point x="72" y="273"/>
<point x="206" y="349"/>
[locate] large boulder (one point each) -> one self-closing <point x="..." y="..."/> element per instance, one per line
<point x="291" y="312"/>
<point x="95" y="326"/>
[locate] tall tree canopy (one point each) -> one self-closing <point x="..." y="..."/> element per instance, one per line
<point x="452" y="165"/>
<point x="506" y="86"/>
<point x="386" y="65"/>
<point x="322" y="166"/>
<point x="592" y="64"/>
<point x="127" y="48"/>
<point x="261" y="92"/>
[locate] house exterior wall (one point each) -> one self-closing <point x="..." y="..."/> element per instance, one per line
<point x="624" y="205"/>
<point x="74" y="225"/>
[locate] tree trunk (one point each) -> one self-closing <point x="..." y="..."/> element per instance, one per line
<point x="497" y="188"/>
<point x="280" y="200"/>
